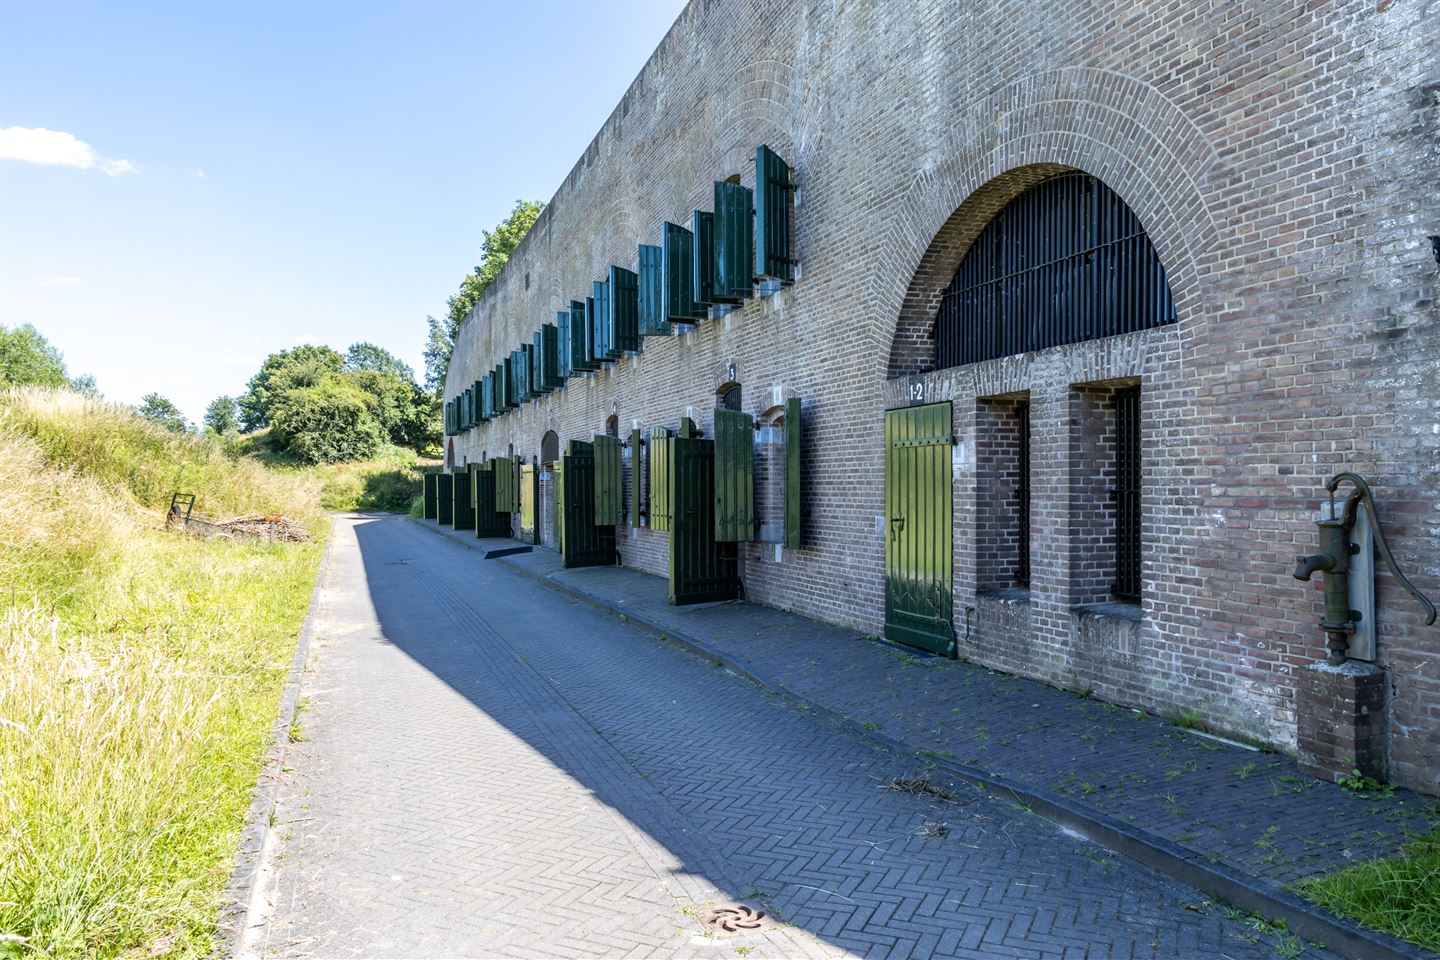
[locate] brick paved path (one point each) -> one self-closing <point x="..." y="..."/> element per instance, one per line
<point x="491" y="770"/>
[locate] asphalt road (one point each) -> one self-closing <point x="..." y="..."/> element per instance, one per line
<point x="486" y="768"/>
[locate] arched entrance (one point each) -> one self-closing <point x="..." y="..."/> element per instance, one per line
<point x="1062" y="261"/>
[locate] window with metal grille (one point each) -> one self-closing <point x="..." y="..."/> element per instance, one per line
<point x="1022" y="497"/>
<point x="1127" y="495"/>
<point x="1063" y="262"/>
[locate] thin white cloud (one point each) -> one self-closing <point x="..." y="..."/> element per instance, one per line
<point x="56" y="280"/>
<point x="198" y="173"/>
<point x="57" y="149"/>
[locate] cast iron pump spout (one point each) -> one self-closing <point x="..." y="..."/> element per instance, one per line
<point x="1333" y="561"/>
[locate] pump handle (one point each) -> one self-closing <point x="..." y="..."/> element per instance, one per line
<point x="1362" y="494"/>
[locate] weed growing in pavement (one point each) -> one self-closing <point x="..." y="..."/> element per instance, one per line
<point x="1244" y="771"/>
<point x="1358" y="782"/>
<point x="1188" y="720"/>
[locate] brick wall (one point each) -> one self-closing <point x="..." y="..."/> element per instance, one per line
<point x="1281" y="156"/>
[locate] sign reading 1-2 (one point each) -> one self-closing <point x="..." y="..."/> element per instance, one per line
<point x="917" y="391"/>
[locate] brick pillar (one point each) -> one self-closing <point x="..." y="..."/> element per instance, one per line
<point x="1341" y="715"/>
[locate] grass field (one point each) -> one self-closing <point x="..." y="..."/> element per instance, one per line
<point x="140" y="673"/>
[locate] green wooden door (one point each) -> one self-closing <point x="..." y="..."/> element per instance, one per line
<point x="444" y="498"/>
<point x="489" y="522"/>
<point x="529" y="504"/>
<point x="428" y="496"/>
<point x="609" y="481"/>
<point x="918" y="504"/>
<point x="734" y="476"/>
<point x="582" y="543"/>
<point x="464" y="512"/>
<point x="701" y="570"/>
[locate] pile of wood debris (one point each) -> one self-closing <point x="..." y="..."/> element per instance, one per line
<point x="266" y="527"/>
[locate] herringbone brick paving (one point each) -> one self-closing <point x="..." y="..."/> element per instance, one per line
<point x="1247" y="809"/>
<point x="491" y="770"/>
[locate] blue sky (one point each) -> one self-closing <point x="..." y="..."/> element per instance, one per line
<point x="240" y="178"/>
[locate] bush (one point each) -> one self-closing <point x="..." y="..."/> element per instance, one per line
<point x="326" y="423"/>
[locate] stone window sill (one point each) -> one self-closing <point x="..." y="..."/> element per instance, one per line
<point x="1016" y="595"/>
<point x="1113" y="610"/>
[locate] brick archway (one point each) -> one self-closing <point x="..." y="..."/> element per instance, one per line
<point x="1007" y="141"/>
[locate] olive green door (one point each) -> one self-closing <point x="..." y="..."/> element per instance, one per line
<point x="489" y="522"/>
<point x="701" y="570"/>
<point x="582" y="542"/>
<point x="918" y="510"/>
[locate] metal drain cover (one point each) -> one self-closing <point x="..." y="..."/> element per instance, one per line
<point x="734" y="918"/>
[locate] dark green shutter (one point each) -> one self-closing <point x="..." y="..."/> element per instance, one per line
<point x="550" y="368"/>
<point x="734" y="476"/>
<point x="607" y="343"/>
<point x="624" y="289"/>
<point x="523" y="372"/>
<point x="734" y="242"/>
<point x="608" y="479"/>
<point x="502" y="387"/>
<point x="581" y="357"/>
<point x="659" y="478"/>
<point x="772" y="216"/>
<point x="477" y="398"/>
<point x="651" y="301"/>
<point x="702" y="260"/>
<point x="677" y="275"/>
<point x="792" y="473"/>
<point x="487" y="399"/>
<point x="448" y="428"/>
<point x="637" y="476"/>
<point x="563" y="357"/>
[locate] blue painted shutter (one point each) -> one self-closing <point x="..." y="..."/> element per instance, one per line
<point x="651" y="298"/>
<point x="563" y="359"/>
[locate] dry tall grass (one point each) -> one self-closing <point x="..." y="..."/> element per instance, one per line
<point x="139" y="674"/>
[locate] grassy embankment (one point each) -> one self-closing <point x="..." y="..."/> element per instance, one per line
<point x="1400" y="895"/>
<point x="140" y="673"/>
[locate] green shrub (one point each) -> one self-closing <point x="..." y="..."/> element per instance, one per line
<point x="329" y="422"/>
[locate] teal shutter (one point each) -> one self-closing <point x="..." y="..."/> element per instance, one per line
<point x="702" y="261"/>
<point x="773" y="190"/>
<point x="792" y="473"/>
<point x="477" y="399"/>
<point x="734" y="476"/>
<point x="487" y="396"/>
<point x="469" y="407"/>
<point x="677" y="273"/>
<point x="594" y="346"/>
<point x="651" y="300"/>
<point x="659" y="478"/>
<point x="581" y="355"/>
<point x="734" y="242"/>
<point x="608" y="479"/>
<point x="624" y="290"/>
<point x="537" y="362"/>
<point x="607" y="346"/>
<point x="448" y="407"/>
<point x="563" y="359"/>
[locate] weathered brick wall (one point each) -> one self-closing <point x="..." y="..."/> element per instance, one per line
<point x="1282" y="158"/>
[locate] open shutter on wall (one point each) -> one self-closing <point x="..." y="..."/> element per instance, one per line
<point x="625" y="308"/>
<point x="537" y="363"/>
<point x="563" y="358"/>
<point x="734" y="476"/>
<point x="477" y="395"/>
<point x="469" y="406"/>
<point x="677" y="274"/>
<point x="449" y="426"/>
<point x="550" y="349"/>
<point x="501" y="385"/>
<point x="594" y="344"/>
<point x="792" y="473"/>
<point x="487" y="397"/>
<point x="702" y="260"/>
<point x="734" y="242"/>
<point x="773" y="189"/>
<point x="581" y="351"/>
<point x="659" y="478"/>
<point x="607" y="344"/>
<point x="526" y="371"/>
<point x="637" y="477"/>
<point x="608" y="480"/>
<point x="651" y="300"/>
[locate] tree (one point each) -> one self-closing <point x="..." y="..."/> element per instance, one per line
<point x="27" y="359"/>
<point x="375" y="359"/>
<point x="223" y="415"/>
<point x="326" y="423"/>
<point x="159" y="410"/>
<point x="254" y="403"/>
<point x="495" y="252"/>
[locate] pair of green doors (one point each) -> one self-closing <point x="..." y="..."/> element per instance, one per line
<point x="919" y="499"/>
<point x="583" y="542"/>
<point x="701" y="569"/>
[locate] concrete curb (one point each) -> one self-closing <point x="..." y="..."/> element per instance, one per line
<point x="238" y="909"/>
